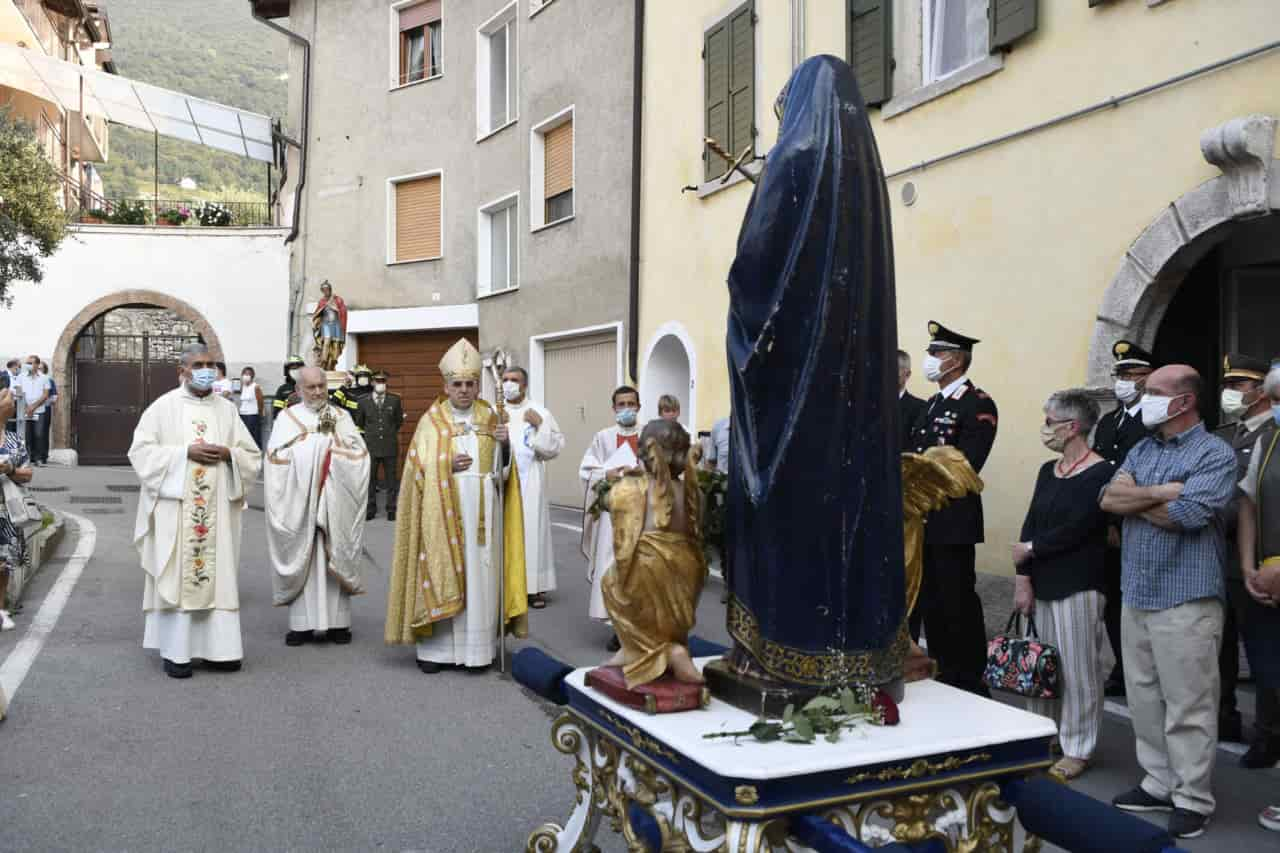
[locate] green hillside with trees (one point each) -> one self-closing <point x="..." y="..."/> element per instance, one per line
<point x="209" y="48"/>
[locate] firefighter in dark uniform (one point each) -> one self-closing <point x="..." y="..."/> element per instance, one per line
<point x="349" y="398"/>
<point x="287" y="394"/>
<point x="963" y="416"/>
<point x="380" y="416"/>
<point x="1116" y="434"/>
<point x="1248" y="408"/>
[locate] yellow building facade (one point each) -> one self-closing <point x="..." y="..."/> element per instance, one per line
<point x="1110" y="174"/>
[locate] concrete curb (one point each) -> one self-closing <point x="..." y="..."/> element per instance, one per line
<point x="40" y="545"/>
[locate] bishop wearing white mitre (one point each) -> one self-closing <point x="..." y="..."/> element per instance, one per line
<point x="317" y="485"/>
<point x="196" y="461"/>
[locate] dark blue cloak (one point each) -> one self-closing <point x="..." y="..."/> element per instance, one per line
<point x="814" y="521"/>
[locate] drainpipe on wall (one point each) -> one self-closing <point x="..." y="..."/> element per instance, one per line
<point x="637" y="116"/>
<point x="302" y="142"/>
<point x="797" y="33"/>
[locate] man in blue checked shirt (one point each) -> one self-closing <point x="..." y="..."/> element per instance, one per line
<point x="1169" y="490"/>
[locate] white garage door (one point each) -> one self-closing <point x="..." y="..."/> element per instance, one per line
<point x="581" y="373"/>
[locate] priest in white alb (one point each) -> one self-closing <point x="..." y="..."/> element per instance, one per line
<point x="535" y="440"/>
<point x="612" y="452"/>
<point x="196" y="462"/>
<point x="457" y="570"/>
<point x="317" y="485"/>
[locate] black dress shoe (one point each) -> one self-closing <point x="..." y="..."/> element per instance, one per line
<point x="341" y="636"/>
<point x="391" y="515"/>
<point x="371" y="515"/>
<point x="1114" y="688"/>
<point x="1231" y="728"/>
<point x="177" y="670"/>
<point x="1264" y="753"/>
<point x="430" y="667"/>
<point x="297" y="638"/>
<point x="223" y="665"/>
<point x="614" y="644"/>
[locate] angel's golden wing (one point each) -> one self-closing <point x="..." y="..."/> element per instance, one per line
<point x="930" y="481"/>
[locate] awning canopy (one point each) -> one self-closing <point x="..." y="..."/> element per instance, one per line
<point x="135" y="104"/>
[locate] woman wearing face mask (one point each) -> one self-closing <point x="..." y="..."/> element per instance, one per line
<point x="1060" y="579"/>
<point x="15" y="472"/>
<point x="250" y="402"/>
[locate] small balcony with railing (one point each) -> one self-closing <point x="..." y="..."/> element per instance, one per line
<point x="86" y="206"/>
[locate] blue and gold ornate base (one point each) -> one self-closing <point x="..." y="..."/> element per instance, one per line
<point x="935" y="775"/>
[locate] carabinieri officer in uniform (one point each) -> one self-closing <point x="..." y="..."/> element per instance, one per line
<point x="960" y="415"/>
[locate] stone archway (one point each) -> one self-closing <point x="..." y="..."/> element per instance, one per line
<point x="669" y="367"/>
<point x="1157" y="262"/>
<point x="60" y="441"/>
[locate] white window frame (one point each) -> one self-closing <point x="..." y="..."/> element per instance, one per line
<point x="538" y="168"/>
<point x="926" y="50"/>
<point x="391" y="216"/>
<point x="395" y="48"/>
<point x="536" y="6"/>
<point x="484" y="246"/>
<point x="505" y="18"/>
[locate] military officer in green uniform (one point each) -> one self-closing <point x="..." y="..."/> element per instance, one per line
<point x="1248" y="410"/>
<point x="379" y="415"/>
<point x="1117" y="432"/>
<point x="287" y="394"/>
<point x="960" y="415"/>
<point x="349" y="398"/>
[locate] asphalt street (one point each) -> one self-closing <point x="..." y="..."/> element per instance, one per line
<point x="327" y="747"/>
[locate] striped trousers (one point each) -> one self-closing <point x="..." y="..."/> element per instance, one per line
<point x="1074" y="625"/>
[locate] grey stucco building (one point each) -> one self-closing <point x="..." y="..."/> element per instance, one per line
<point x="468" y="171"/>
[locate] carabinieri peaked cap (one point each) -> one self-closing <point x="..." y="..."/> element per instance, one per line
<point x="1239" y="366"/>
<point x="381" y="374"/>
<point x="1129" y="354"/>
<point x="940" y="337"/>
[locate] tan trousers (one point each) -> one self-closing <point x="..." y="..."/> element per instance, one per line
<point x="1074" y="626"/>
<point x="1171" y="678"/>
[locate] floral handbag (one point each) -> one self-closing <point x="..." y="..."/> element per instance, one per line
<point x="1023" y="664"/>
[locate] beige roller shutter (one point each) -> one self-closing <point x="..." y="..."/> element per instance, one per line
<point x="581" y="373"/>
<point x="558" y="147"/>
<point x="418" y="219"/>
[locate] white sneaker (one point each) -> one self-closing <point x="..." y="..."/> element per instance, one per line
<point x="6" y="624"/>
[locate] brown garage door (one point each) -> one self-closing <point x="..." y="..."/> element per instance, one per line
<point x="412" y="359"/>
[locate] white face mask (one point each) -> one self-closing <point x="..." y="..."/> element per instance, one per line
<point x="932" y="367"/>
<point x="511" y="390"/>
<point x="1233" y="404"/>
<point x="380" y="387"/>
<point x="247" y="379"/>
<point x="1126" y="390"/>
<point x="1155" y="410"/>
<point x="362" y="381"/>
<point x="293" y="374"/>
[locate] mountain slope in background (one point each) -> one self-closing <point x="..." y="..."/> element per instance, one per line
<point x="208" y="48"/>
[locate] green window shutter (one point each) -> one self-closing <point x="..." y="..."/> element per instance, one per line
<point x="871" y="48"/>
<point x="742" y="89"/>
<point x="715" y="61"/>
<point x="1011" y="20"/>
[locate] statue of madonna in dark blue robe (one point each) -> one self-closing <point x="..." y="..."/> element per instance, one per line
<point x="814" y="516"/>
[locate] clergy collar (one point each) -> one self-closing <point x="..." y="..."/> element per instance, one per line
<point x="186" y="392"/>
<point x="954" y="387"/>
<point x="462" y="414"/>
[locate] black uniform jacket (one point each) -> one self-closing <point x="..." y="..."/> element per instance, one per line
<point x="381" y="423"/>
<point x="965" y="420"/>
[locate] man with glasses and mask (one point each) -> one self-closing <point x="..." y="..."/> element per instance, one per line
<point x="1170" y="489"/>
<point x="196" y="462"/>
<point x="963" y="416"/>
<point x="1117" y="432"/>
<point x="1246" y="412"/>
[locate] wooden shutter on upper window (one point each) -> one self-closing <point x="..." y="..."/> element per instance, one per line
<point x="715" y="61"/>
<point x="742" y="87"/>
<point x="419" y="15"/>
<point x="1010" y="20"/>
<point x="871" y="48"/>
<point x="418" y="219"/>
<point x="558" y="153"/>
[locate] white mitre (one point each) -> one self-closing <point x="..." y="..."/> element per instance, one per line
<point x="462" y="361"/>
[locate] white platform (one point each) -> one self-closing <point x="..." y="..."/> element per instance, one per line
<point x="936" y="719"/>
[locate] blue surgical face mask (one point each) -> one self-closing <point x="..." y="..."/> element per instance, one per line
<point x="625" y="417"/>
<point x="203" y="377"/>
<point x="1275" y="412"/>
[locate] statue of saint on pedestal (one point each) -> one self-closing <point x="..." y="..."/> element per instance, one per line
<point x="329" y="327"/>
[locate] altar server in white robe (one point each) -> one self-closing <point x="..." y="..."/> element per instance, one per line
<point x="317" y="486"/>
<point x="606" y="459"/>
<point x="535" y="440"/>
<point x="196" y="461"/>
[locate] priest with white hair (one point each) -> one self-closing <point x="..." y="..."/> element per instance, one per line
<point x="317" y="484"/>
<point x="196" y="462"/>
<point x="453" y="576"/>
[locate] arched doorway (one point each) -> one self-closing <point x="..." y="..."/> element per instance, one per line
<point x="669" y="369"/>
<point x="113" y="360"/>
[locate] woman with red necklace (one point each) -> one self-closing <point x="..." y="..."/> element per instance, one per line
<point x="1060" y="579"/>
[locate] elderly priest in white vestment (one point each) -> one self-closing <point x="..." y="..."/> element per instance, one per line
<point x="447" y="591"/>
<point x="535" y="440"/>
<point x="317" y="485"/>
<point x="196" y="462"/>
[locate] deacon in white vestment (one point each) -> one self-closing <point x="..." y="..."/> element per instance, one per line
<point x="317" y="484"/>
<point x="606" y="459"/>
<point x="535" y="440"/>
<point x="196" y="462"/>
